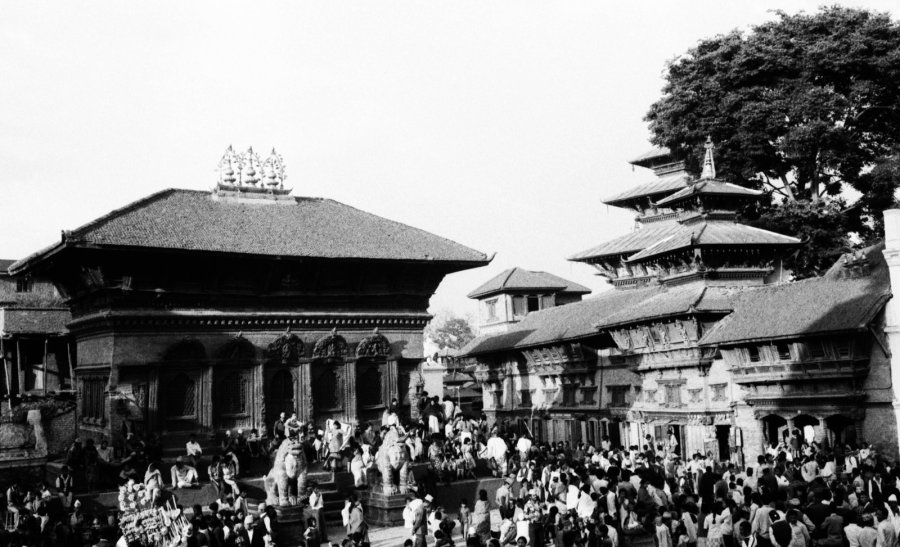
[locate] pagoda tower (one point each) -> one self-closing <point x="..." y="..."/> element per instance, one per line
<point x="686" y="230"/>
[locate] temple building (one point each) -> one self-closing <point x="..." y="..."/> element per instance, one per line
<point x="703" y="341"/>
<point x="202" y="311"/>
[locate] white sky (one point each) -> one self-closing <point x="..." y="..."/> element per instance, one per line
<point x="499" y="125"/>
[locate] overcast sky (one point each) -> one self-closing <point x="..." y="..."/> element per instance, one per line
<point x="500" y="125"/>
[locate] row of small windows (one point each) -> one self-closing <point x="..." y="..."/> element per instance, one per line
<point x="815" y="348"/>
<point x="522" y="305"/>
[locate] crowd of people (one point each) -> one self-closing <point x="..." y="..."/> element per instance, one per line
<point x="799" y="494"/>
<point x="568" y="494"/>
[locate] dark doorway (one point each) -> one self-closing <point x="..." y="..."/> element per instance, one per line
<point x="723" y="437"/>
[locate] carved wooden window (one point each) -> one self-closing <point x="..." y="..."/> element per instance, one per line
<point x="753" y="353"/>
<point x="719" y="392"/>
<point x="24" y="284"/>
<point x="369" y="387"/>
<point x="784" y="352"/>
<point x="695" y="396"/>
<point x="569" y="395"/>
<point x="843" y="347"/>
<point x="588" y="396"/>
<point x="519" y="306"/>
<point x="181" y="397"/>
<point x="618" y="395"/>
<point x="491" y="307"/>
<point x="525" y="395"/>
<point x="233" y="394"/>
<point x="673" y="395"/>
<point x="325" y="388"/>
<point x="93" y="398"/>
<point x="816" y="349"/>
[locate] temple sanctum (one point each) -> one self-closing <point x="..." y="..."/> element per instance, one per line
<point x="201" y="311"/>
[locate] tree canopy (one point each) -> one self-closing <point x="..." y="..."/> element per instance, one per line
<point x="805" y="106"/>
<point x="449" y="331"/>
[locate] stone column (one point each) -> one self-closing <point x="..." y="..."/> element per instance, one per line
<point x="350" y="414"/>
<point x="207" y="383"/>
<point x="892" y="311"/>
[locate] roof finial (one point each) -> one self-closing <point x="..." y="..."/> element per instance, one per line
<point x="709" y="166"/>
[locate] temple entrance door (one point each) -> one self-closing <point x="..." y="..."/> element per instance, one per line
<point x="233" y="398"/>
<point x="280" y="396"/>
<point x="327" y="390"/>
<point x="774" y="427"/>
<point x="723" y="437"/>
<point x="181" y="399"/>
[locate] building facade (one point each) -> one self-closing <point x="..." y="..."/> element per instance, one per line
<point x="198" y="312"/>
<point x="702" y="341"/>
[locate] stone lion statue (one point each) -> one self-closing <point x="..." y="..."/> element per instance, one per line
<point x="286" y="481"/>
<point x="393" y="456"/>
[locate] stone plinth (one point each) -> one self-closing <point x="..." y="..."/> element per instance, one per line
<point x="289" y="532"/>
<point x="384" y="510"/>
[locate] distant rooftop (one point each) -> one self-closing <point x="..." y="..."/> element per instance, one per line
<point x="519" y="279"/>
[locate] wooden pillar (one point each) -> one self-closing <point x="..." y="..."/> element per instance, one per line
<point x="19" y="367"/>
<point x="259" y="410"/>
<point x="44" y="367"/>
<point x="207" y="405"/>
<point x="303" y="392"/>
<point x="153" y="401"/>
<point x="6" y="373"/>
<point x="350" y="411"/>
<point x="71" y="363"/>
<point x="392" y="381"/>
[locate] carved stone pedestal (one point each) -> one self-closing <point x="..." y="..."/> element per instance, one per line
<point x="384" y="510"/>
<point x="291" y="526"/>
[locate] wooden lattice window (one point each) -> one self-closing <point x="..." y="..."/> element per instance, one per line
<point x="369" y="387"/>
<point x="618" y="395"/>
<point x="233" y="394"/>
<point x="569" y="395"/>
<point x="587" y="396"/>
<point x="673" y="395"/>
<point x="719" y="392"/>
<point x="181" y="396"/>
<point x="526" y="398"/>
<point x="93" y="398"/>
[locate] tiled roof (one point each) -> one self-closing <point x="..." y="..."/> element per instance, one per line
<point x="633" y="242"/>
<point x="842" y="300"/>
<point x="520" y="279"/>
<point x="609" y="309"/>
<point x="662" y="185"/>
<point x="304" y="227"/>
<point x="652" y="154"/>
<point x="713" y="233"/>
<point x="709" y="187"/>
<point x="34" y="320"/>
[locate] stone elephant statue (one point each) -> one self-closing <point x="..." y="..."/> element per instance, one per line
<point x="286" y="482"/>
<point x="393" y="455"/>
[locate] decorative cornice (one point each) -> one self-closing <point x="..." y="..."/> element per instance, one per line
<point x="245" y="321"/>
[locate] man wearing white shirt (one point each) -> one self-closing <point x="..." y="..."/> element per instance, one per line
<point x="194" y="451"/>
<point x="523" y="446"/>
<point x="496" y="453"/>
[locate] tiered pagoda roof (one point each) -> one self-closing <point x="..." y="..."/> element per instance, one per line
<point x="686" y="226"/>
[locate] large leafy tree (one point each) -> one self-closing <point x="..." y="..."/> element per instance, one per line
<point x="805" y="106"/>
<point x="449" y="331"/>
